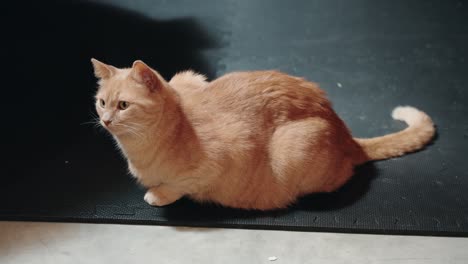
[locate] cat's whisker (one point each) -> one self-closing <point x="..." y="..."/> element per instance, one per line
<point x="132" y="130"/>
<point x="95" y="120"/>
<point x="136" y="125"/>
<point x="92" y="122"/>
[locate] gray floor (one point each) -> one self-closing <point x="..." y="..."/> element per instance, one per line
<point x="26" y="242"/>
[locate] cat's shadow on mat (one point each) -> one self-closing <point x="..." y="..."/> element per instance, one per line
<point x="187" y="211"/>
<point x="46" y="49"/>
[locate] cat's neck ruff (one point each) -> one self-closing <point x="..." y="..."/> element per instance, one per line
<point x="162" y="143"/>
<point x="142" y="150"/>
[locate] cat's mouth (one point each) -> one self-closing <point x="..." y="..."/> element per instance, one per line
<point x="115" y="129"/>
<point x="109" y="126"/>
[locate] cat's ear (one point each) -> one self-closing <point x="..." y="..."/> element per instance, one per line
<point x="102" y="70"/>
<point x="143" y="74"/>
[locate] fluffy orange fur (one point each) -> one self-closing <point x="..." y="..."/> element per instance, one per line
<point x="253" y="140"/>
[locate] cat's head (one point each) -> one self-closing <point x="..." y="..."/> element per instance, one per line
<point x="129" y="100"/>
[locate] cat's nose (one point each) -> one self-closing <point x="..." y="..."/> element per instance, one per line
<point x="107" y="122"/>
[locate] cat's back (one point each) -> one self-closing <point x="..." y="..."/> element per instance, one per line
<point x="243" y="107"/>
<point x="243" y="85"/>
<point x="271" y="93"/>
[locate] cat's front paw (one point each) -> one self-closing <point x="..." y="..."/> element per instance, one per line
<point x="152" y="198"/>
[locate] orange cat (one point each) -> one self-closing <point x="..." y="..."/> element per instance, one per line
<point x="254" y="140"/>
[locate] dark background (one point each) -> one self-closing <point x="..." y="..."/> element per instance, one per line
<point x="369" y="56"/>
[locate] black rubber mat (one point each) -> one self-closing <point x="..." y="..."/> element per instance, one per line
<point x="370" y="56"/>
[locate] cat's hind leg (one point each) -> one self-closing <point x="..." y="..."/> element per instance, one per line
<point x="305" y="156"/>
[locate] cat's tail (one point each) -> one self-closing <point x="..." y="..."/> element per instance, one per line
<point x="419" y="132"/>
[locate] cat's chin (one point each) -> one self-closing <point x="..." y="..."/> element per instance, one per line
<point x="120" y="134"/>
<point x="115" y="132"/>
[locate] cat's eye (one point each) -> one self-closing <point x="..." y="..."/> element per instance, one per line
<point x="102" y="103"/>
<point x="123" y="105"/>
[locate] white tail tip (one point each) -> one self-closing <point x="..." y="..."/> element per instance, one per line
<point x="409" y="114"/>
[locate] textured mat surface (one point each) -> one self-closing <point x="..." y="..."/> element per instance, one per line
<point x="369" y="56"/>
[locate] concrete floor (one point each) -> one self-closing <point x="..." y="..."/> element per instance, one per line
<point x="27" y="242"/>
